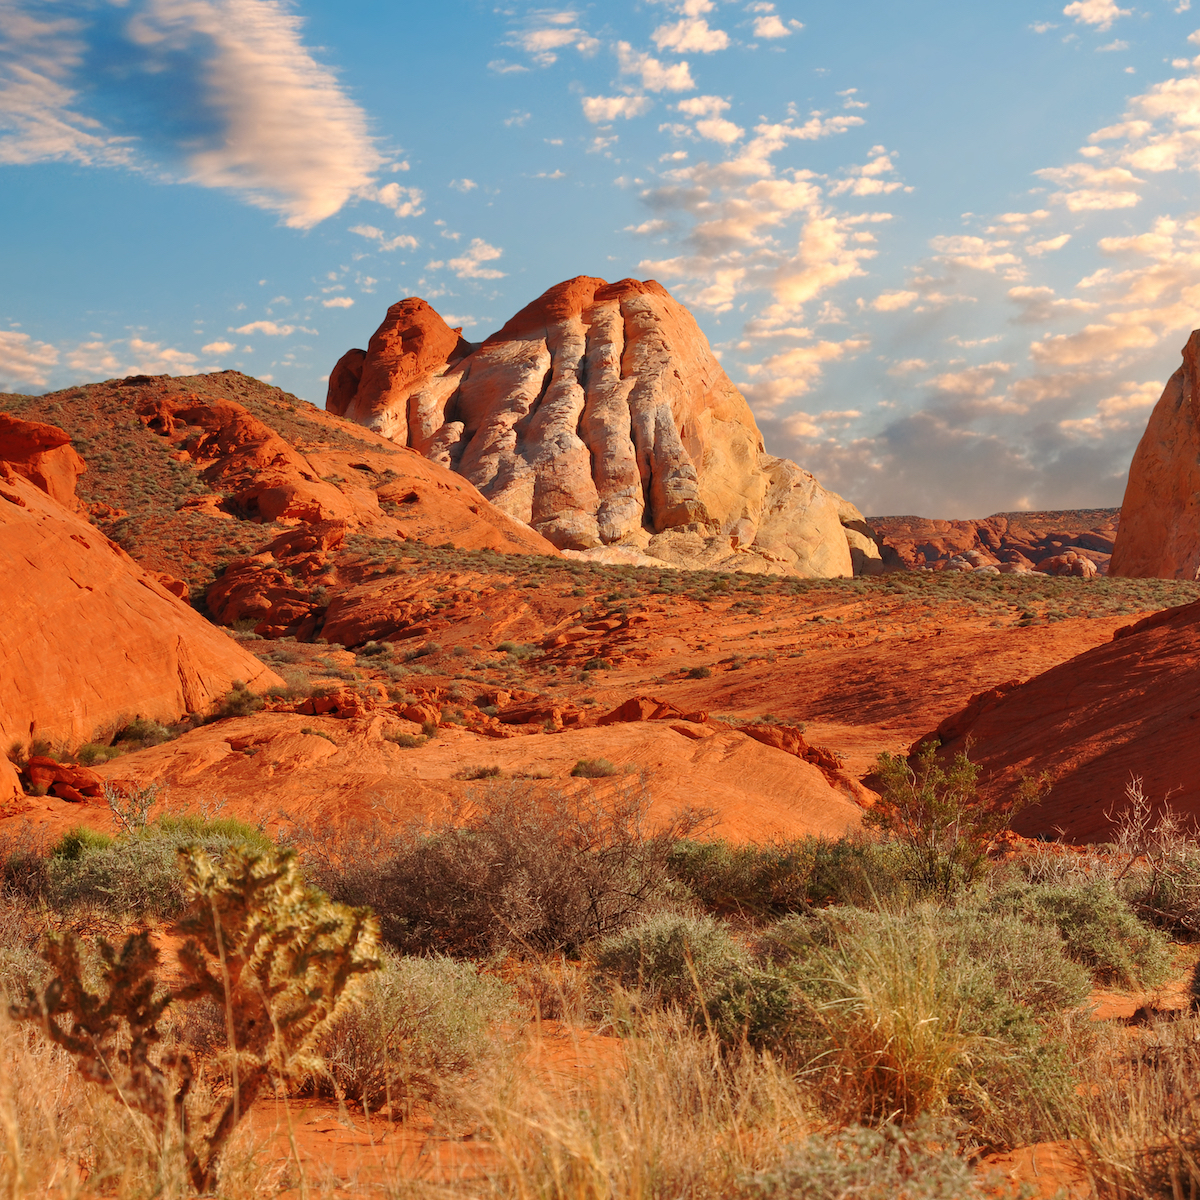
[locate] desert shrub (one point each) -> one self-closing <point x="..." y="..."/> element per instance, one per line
<point x="406" y="741"/>
<point x="22" y="928"/>
<point x="891" y="1163"/>
<point x="138" y="873"/>
<point x="1097" y="926"/>
<point x="938" y="817"/>
<point x="143" y="733"/>
<point x="239" y="701"/>
<point x="77" y="842"/>
<point x="671" y="958"/>
<point x="94" y="752"/>
<point x="770" y="880"/>
<point x="508" y="869"/>
<point x="417" y="1023"/>
<point x="904" y="1014"/>
<point x="700" y="673"/>
<point x="593" y="768"/>
<point x="476" y="773"/>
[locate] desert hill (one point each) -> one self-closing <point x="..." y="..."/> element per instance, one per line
<point x="599" y="416"/>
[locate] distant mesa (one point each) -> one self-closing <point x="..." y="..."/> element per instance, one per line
<point x="1160" y="516"/>
<point x="599" y="417"/>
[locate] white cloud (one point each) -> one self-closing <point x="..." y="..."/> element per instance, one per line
<point x="717" y="129"/>
<point x="1040" y="305"/>
<point x="403" y="241"/>
<point x="272" y="124"/>
<point x="270" y="328"/>
<point x="656" y="77"/>
<point x="971" y="382"/>
<point x="219" y="349"/>
<point x="1037" y="249"/>
<point x="550" y="32"/>
<point x="892" y="301"/>
<point x="975" y="252"/>
<point x="1094" y="343"/>
<point x="1100" y="13"/>
<point x="692" y="33"/>
<point x="338" y="302"/>
<point x="403" y="201"/>
<point x="470" y="264"/>
<point x="463" y="185"/>
<point x="703" y="106"/>
<point x="1087" y="189"/>
<point x="791" y="374"/>
<point x="648" y="227"/>
<point x="602" y="109"/>
<point x="22" y="360"/>
<point x="770" y="27"/>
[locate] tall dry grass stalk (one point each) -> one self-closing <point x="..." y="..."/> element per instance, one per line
<point x="677" y="1117"/>
<point x="1141" y="1114"/>
<point x="62" y="1137"/>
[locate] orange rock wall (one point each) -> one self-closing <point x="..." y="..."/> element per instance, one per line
<point x="1160" y="515"/>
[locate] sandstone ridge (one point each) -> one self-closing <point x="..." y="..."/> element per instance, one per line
<point x="1123" y="709"/>
<point x="89" y="640"/>
<point x="1160" y="515"/>
<point x="600" y="417"/>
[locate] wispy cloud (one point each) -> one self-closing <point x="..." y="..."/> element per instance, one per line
<point x="24" y="361"/>
<point x="270" y="123"/>
<point x="470" y="265"/>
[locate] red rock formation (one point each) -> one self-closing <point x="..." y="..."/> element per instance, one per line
<point x="599" y="416"/>
<point x="1020" y="540"/>
<point x="43" y="454"/>
<point x="88" y="638"/>
<point x="1130" y="707"/>
<point x="1160" y="515"/>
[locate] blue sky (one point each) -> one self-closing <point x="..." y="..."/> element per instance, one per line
<point x="949" y="252"/>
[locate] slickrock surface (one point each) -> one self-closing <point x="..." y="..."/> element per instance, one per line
<point x="43" y="455"/>
<point x="1008" y="542"/>
<point x="1130" y="707"/>
<point x="89" y="639"/>
<point x="599" y="416"/>
<point x="1160" y="527"/>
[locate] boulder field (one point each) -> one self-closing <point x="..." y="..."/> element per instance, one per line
<point x="89" y="640"/>
<point x="1160" y="515"/>
<point x="599" y="416"/>
<point x="1129" y="708"/>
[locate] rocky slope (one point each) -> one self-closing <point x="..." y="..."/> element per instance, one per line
<point x="1127" y="708"/>
<point x="1053" y="543"/>
<point x="1160" y="525"/>
<point x="89" y="640"/>
<point x="599" y="416"/>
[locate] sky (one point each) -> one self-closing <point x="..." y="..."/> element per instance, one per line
<point x="949" y="252"/>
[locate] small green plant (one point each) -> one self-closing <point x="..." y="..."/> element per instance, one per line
<point x="142" y="733"/>
<point x="406" y="741"/>
<point x="239" y="701"/>
<point x="700" y="673"/>
<point x="593" y="768"/>
<point x="597" y="664"/>
<point x="131" y="805"/>
<point x="309" y="731"/>
<point x="939" y="818"/>
<point x="429" y="728"/>
<point x="94" y="752"/>
<point x="77" y="842"/>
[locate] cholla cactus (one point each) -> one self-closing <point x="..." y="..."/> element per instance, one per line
<point x="279" y="957"/>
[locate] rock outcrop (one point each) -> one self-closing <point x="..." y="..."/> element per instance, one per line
<point x="43" y="454"/>
<point x="1160" y="515"/>
<point x="599" y="416"/>
<point x="1130" y="707"/>
<point x="1006" y="542"/>
<point x="88" y="638"/>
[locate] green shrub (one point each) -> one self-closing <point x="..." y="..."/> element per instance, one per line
<point x="473" y="773"/>
<point x="239" y="701"/>
<point x="94" y="752"/>
<point x="1097" y="926"/>
<point x="593" y="768"/>
<point x="671" y="959"/>
<point x="77" y="842"/>
<point x="143" y="733"/>
<point x="891" y="1163"/>
<point x="406" y="741"/>
<point x="700" y="673"/>
<point x="418" y="1022"/>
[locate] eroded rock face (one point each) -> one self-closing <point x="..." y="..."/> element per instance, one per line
<point x="599" y="416"/>
<point x="1160" y="515"/>
<point x="89" y="638"/>
<point x="43" y="454"/>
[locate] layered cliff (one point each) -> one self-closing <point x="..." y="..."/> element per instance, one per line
<point x="600" y="417"/>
